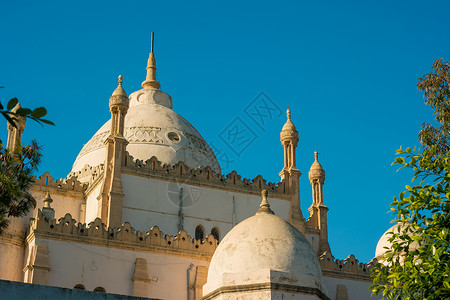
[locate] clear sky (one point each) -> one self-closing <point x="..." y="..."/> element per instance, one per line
<point x="347" y="69"/>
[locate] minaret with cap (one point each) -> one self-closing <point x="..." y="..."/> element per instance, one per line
<point x="15" y="132"/>
<point x="150" y="81"/>
<point x="110" y="204"/>
<point x="290" y="175"/>
<point x="318" y="210"/>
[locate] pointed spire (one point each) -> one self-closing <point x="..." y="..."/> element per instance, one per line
<point x="119" y="91"/>
<point x="150" y="81"/>
<point x="264" y="207"/>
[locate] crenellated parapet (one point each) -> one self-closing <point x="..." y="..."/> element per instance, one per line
<point x="88" y="175"/>
<point x="124" y="236"/>
<point x="347" y="268"/>
<point x="67" y="184"/>
<point x="203" y="176"/>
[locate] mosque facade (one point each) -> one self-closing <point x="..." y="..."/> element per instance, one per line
<point x="146" y="211"/>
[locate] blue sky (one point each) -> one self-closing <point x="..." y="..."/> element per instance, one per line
<point x="347" y="69"/>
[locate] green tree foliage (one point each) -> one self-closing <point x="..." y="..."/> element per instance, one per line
<point x="417" y="264"/>
<point x="36" y="114"/>
<point x="16" y="178"/>
<point x="437" y="95"/>
<point x="16" y="167"/>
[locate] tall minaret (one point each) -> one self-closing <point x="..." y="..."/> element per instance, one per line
<point x="318" y="210"/>
<point x="290" y="175"/>
<point x="15" y="133"/>
<point x="110" y="205"/>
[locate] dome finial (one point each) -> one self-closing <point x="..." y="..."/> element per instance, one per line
<point x="288" y="114"/>
<point x="47" y="200"/>
<point x="150" y="81"/>
<point x="119" y="91"/>
<point x="264" y="207"/>
<point x="316" y="156"/>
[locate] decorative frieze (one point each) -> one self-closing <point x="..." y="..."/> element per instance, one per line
<point x="125" y="235"/>
<point x="68" y="184"/>
<point x="347" y="268"/>
<point x="201" y="176"/>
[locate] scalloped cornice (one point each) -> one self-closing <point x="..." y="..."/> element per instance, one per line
<point x="66" y="184"/>
<point x="347" y="268"/>
<point x="203" y="176"/>
<point x="124" y="236"/>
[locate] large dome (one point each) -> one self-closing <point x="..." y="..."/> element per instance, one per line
<point x="259" y="247"/>
<point x="152" y="128"/>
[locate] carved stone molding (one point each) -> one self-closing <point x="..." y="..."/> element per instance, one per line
<point x="68" y="184"/>
<point x="201" y="176"/>
<point x="125" y="235"/>
<point x="347" y="268"/>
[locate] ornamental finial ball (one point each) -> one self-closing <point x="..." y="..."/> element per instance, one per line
<point x="120" y="80"/>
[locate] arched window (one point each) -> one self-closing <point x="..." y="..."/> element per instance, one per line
<point x="79" y="287"/>
<point x="215" y="233"/>
<point x="199" y="232"/>
<point x="100" y="289"/>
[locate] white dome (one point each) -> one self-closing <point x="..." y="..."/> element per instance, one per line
<point x="152" y="128"/>
<point x="383" y="241"/>
<point x="264" y="248"/>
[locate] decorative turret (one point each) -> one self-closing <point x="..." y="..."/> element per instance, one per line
<point x="47" y="211"/>
<point x="15" y="133"/>
<point x="290" y="175"/>
<point x="289" y="140"/>
<point x="110" y="206"/>
<point x="318" y="210"/>
<point x="118" y="105"/>
<point x="150" y="81"/>
<point x="317" y="179"/>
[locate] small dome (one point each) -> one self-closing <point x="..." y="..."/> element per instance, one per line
<point x="316" y="170"/>
<point x="316" y="164"/>
<point x="152" y="128"/>
<point x="259" y="247"/>
<point x="288" y="126"/>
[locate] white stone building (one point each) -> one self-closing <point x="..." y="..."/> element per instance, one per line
<point x="146" y="206"/>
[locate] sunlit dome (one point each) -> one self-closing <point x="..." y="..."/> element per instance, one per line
<point x="264" y="248"/>
<point x="152" y="128"/>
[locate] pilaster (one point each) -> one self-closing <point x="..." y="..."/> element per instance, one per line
<point x="141" y="281"/>
<point x="37" y="268"/>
